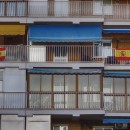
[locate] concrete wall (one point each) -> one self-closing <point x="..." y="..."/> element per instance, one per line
<point x="38" y="122"/>
<point x="12" y="122"/>
<point x="14" y="80"/>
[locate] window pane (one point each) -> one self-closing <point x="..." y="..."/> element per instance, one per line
<point x="58" y="82"/>
<point x="107" y="85"/>
<point x="70" y="82"/>
<point x="46" y="82"/>
<point x="34" y="82"/>
<point x="83" y="83"/>
<point x="56" y="128"/>
<point x="119" y="84"/>
<point x="106" y="1"/>
<point x="128" y="85"/>
<point x="94" y="82"/>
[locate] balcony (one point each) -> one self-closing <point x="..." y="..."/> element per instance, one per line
<point x="86" y="55"/>
<point x="65" y="101"/>
<point x="69" y="11"/>
<point x="41" y="56"/>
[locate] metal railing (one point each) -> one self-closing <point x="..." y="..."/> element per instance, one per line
<point x="49" y="8"/>
<point x="50" y="100"/>
<point x="41" y="9"/>
<point x="52" y="53"/>
<point x="61" y="54"/>
<point x="65" y="100"/>
<point x="117" y="11"/>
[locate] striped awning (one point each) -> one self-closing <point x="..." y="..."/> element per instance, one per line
<point x="12" y="29"/>
<point x="65" y="71"/>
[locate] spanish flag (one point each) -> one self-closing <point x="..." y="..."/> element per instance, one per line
<point x="2" y="53"/>
<point x="122" y="54"/>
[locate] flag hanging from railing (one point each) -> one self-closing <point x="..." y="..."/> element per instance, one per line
<point x="122" y="54"/>
<point x="2" y="53"/>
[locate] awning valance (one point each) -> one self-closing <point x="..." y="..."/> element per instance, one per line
<point x="113" y="30"/>
<point x="116" y="120"/>
<point x="65" y="71"/>
<point x="65" y="33"/>
<point x="117" y="74"/>
<point x="12" y="29"/>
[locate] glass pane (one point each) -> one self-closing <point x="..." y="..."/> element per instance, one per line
<point x="83" y="83"/>
<point x="106" y="1"/>
<point x="56" y="128"/>
<point x="107" y="85"/>
<point x="94" y="82"/>
<point x="128" y="85"/>
<point x="58" y="82"/>
<point x="119" y="84"/>
<point x="70" y="82"/>
<point x="46" y="82"/>
<point x="34" y="82"/>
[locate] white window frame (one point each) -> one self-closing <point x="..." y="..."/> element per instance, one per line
<point x="100" y="51"/>
<point x="60" y="126"/>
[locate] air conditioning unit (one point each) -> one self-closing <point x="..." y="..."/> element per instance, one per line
<point x="121" y="126"/>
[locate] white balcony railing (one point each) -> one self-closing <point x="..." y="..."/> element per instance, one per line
<point x="51" y="53"/>
<point x="73" y="9"/>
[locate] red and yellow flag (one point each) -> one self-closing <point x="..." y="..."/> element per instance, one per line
<point x="2" y="53"/>
<point x="122" y="54"/>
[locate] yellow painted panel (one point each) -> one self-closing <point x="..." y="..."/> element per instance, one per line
<point x="12" y="29"/>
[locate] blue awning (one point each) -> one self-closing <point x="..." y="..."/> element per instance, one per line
<point x="116" y="30"/>
<point x="116" y="73"/>
<point x="65" y="33"/>
<point x="65" y="71"/>
<point x="116" y="120"/>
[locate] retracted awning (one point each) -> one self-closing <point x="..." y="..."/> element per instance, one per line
<point x="65" y="33"/>
<point x="117" y="74"/>
<point x="116" y="120"/>
<point x="65" y="71"/>
<point x="113" y="30"/>
<point x="12" y="29"/>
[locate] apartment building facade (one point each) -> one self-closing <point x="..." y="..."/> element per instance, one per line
<point x="64" y="65"/>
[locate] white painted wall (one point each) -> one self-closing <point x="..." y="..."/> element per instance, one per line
<point x="14" y="80"/>
<point x="12" y="122"/>
<point x="39" y="122"/>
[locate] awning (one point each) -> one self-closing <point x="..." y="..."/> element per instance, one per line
<point x="116" y="120"/>
<point x="65" y="33"/>
<point x="116" y="74"/>
<point x="12" y="29"/>
<point x="116" y="30"/>
<point x="65" y="71"/>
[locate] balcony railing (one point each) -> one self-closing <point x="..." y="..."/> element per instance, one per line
<point x="65" y="100"/>
<point x="42" y="9"/>
<point x="51" y="53"/>
<point x="61" y="54"/>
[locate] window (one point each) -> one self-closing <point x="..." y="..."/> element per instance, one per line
<point x="107" y="1"/>
<point x="64" y="127"/>
<point x="103" y="49"/>
<point x="60" y="54"/>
